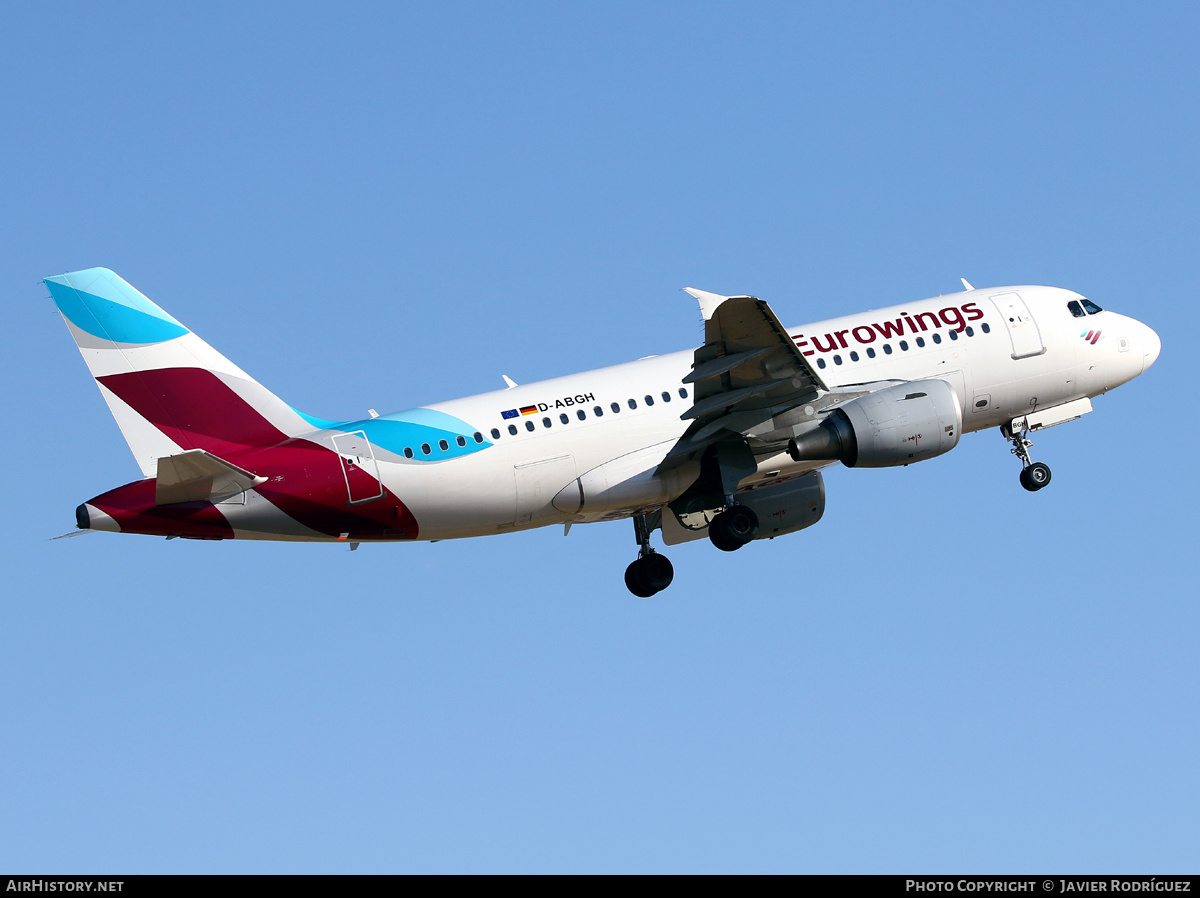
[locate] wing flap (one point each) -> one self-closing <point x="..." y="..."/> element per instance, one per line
<point x="723" y="363"/>
<point x="728" y="399"/>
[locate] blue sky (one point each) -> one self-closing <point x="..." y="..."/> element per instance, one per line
<point x="385" y="206"/>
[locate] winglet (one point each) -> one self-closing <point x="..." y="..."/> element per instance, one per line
<point x="510" y="383"/>
<point x="708" y="301"/>
<point x="966" y="283"/>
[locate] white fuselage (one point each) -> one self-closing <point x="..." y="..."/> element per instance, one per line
<point x="999" y="368"/>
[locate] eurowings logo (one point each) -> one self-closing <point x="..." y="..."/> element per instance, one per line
<point x="955" y="317"/>
<point x="1091" y="336"/>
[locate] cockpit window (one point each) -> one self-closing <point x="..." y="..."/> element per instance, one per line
<point x="1091" y="307"/>
<point x="1076" y="309"/>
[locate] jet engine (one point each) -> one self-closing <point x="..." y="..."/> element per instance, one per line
<point x="897" y="426"/>
<point x="786" y="507"/>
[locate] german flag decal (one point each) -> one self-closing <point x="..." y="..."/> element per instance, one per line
<point x="529" y="410"/>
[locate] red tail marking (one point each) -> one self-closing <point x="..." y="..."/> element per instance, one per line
<point x="132" y="507"/>
<point x="194" y="408"/>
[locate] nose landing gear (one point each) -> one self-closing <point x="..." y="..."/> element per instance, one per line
<point x="651" y="573"/>
<point x="1034" y="474"/>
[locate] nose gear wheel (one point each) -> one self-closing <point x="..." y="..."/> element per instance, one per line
<point x="1035" y="475"/>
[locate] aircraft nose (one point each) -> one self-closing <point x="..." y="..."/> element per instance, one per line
<point x="1150" y="347"/>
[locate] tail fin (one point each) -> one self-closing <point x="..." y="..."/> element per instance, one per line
<point x="168" y="389"/>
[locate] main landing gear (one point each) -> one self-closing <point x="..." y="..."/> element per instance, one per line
<point x="650" y="573"/>
<point x="733" y="528"/>
<point x="1034" y="474"/>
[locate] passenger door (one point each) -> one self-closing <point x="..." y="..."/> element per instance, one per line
<point x="1022" y="329"/>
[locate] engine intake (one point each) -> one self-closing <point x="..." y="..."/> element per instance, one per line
<point x="898" y="426"/>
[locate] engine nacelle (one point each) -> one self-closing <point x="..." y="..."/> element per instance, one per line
<point x="786" y="507"/>
<point x="898" y="426"/>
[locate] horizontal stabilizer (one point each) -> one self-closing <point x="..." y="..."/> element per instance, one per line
<point x="199" y="476"/>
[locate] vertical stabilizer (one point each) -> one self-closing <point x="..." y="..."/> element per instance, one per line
<point x="168" y="390"/>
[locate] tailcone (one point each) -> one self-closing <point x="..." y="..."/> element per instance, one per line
<point x="131" y="509"/>
<point x="89" y="517"/>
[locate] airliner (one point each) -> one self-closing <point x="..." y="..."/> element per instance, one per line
<point x="726" y="441"/>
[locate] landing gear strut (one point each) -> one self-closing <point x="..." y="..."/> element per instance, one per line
<point x="1034" y="474"/>
<point x="651" y="572"/>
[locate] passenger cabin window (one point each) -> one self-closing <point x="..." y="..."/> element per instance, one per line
<point x="937" y="338"/>
<point x="887" y="348"/>
<point x="985" y="327"/>
<point x="408" y="453"/>
<point x="616" y="407"/>
<point x="870" y="352"/>
<point x="682" y="393"/>
<point x="904" y="346"/>
<point x="854" y="356"/>
<point x="666" y="396"/>
<point x="563" y="417"/>
<point x="495" y="434"/>
<point x="529" y="426"/>
<point x="598" y="412"/>
<point x="462" y="441"/>
<point x="920" y="341"/>
<point x="953" y="335"/>
<point x="581" y="414"/>
<point x="970" y="331"/>
<point x="837" y="359"/>
<point x="820" y="363"/>
<point x="443" y="445"/>
<point x="1091" y="307"/>
<point x="512" y="428"/>
<point x="479" y="437"/>
<point x="425" y="450"/>
<point x="649" y="400"/>
<point x="633" y="403"/>
<point x="1076" y="309"/>
<point x="546" y="422"/>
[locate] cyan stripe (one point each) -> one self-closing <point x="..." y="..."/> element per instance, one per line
<point x="111" y="309"/>
<point x="410" y="429"/>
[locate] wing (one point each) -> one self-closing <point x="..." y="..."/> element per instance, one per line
<point x="747" y="373"/>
